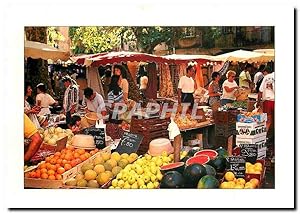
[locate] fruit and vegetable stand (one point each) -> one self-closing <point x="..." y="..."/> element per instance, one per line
<point x="135" y="168"/>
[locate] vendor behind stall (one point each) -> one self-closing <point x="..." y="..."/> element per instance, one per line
<point x="187" y="86"/>
<point x="93" y="102"/>
<point x="44" y="100"/>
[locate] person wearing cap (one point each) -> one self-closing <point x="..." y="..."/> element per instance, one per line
<point x="245" y="77"/>
<point x="31" y="132"/>
<point x="187" y="86"/>
<point x="71" y="97"/>
<point x="44" y="100"/>
<point x="93" y="102"/>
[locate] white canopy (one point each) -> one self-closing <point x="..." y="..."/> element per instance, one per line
<point x="38" y="50"/>
<point x="243" y="56"/>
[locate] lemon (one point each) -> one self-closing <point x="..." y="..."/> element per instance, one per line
<point x="139" y="170"/>
<point x="159" y="176"/>
<point x="249" y="185"/>
<point x="258" y="164"/>
<point x="153" y="178"/>
<point x="258" y="168"/>
<point x="156" y="184"/>
<point x="146" y="178"/>
<point x="134" y="186"/>
<point x="164" y="154"/>
<point x="239" y="186"/>
<point x="139" y="162"/>
<point x="140" y="182"/>
<point x="231" y="184"/>
<point x="131" y="180"/>
<point x="114" y="183"/>
<point x="225" y="185"/>
<point x="229" y="176"/>
<point x="150" y="185"/>
<point x="148" y="157"/>
<point x="121" y="183"/>
<point x="248" y="164"/>
<point x="124" y="155"/>
<point x="143" y="187"/>
<point x="153" y="169"/>
<point x="255" y="182"/>
<point x="159" y="162"/>
<point x="126" y="186"/>
<point x="240" y="181"/>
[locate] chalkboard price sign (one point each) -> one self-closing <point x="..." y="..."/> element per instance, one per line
<point x="98" y="134"/>
<point x="249" y="152"/>
<point x="129" y="143"/>
<point x="236" y="164"/>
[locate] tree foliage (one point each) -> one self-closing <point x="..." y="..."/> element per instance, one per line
<point x="107" y="38"/>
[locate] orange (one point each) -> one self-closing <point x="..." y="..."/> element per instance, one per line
<point x="51" y="172"/>
<point x="58" y="177"/>
<point x="51" y="156"/>
<point x="76" y="155"/>
<point x="59" y="160"/>
<point x="68" y="156"/>
<point x="254" y="181"/>
<point x="42" y="166"/>
<point x="32" y="174"/>
<point x="229" y="176"/>
<point x="71" y="148"/>
<point x="78" y="160"/>
<point x="47" y="159"/>
<point x="81" y="151"/>
<point x="57" y="165"/>
<point x="53" y="167"/>
<point x="44" y="175"/>
<point x="27" y="175"/>
<point x="92" y="152"/>
<point x="64" y="162"/>
<point x="63" y="151"/>
<point x="52" y="161"/>
<point x="87" y="155"/>
<point x="51" y="177"/>
<point x="38" y="173"/>
<point x="48" y="166"/>
<point x="96" y="150"/>
<point x="67" y="166"/>
<point x="73" y="162"/>
<point x="82" y="157"/>
<point x="57" y="154"/>
<point x="60" y="170"/>
<point x="44" y="170"/>
<point x="62" y="156"/>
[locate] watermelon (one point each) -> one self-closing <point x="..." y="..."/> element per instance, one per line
<point x="185" y="159"/>
<point x="178" y="166"/>
<point x="222" y="152"/>
<point x="219" y="163"/>
<point x="208" y="182"/>
<point x="212" y="154"/>
<point x="172" y="180"/>
<point x="192" y="174"/>
<point x="200" y="159"/>
<point x="192" y="152"/>
<point x="210" y="170"/>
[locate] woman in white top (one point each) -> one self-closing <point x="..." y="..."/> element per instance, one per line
<point x="44" y="100"/>
<point x="124" y="85"/>
<point x="31" y="112"/>
<point x="229" y="86"/>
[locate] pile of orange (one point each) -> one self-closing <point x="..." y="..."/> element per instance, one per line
<point x="55" y="165"/>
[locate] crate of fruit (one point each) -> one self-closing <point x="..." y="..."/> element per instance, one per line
<point x="225" y="117"/>
<point x="57" y="168"/>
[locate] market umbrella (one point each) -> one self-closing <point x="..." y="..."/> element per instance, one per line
<point x="81" y="59"/>
<point x="182" y="58"/>
<point x="38" y="50"/>
<point x="123" y="56"/>
<point x="243" y="56"/>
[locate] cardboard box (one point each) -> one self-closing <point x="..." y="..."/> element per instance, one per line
<point x="255" y="118"/>
<point x="251" y="140"/>
<point x="251" y="129"/>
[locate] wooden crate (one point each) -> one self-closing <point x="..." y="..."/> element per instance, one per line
<point x="225" y="130"/>
<point x="225" y="117"/>
<point x="151" y="129"/>
<point x="55" y="184"/>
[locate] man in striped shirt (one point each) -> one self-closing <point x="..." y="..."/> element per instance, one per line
<point x="71" y="97"/>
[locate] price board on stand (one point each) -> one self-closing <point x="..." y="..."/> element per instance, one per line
<point x="129" y="143"/>
<point x="249" y="152"/>
<point x="236" y="164"/>
<point x="98" y="135"/>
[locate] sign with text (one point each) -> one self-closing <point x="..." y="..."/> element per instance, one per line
<point x="129" y="143"/>
<point x="249" y="152"/>
<point x="98" y="134"/>
<point x="236" y="164"/>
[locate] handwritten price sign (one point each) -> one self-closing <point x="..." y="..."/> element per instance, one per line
<point x="129" y="143"/>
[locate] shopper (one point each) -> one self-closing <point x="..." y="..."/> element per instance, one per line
<point x="143" y="83"/>
<point x="114" y="96"/>
<point x="43" y="120"/>
<point x="93" y="102"/>
<point x="245" y="77"/>
<point x="187" y="86"/>
<point x="31" y="132"/>
<point x="44" y="100"/>
<point x="120" y="70"/>
<point x="71" y="97"/>
<point x="229" y="86"/>
<point x="258" y="77"/>
<point x="214" y="91"/>
<point x="30" y="110"/>
<point x="75" y="124"/>
<point x="267" y="95"/>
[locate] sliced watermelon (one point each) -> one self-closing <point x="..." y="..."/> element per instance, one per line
<point x="212" y="154"/>
<point x="178" y="166"/>
<point x="201" y="159"/>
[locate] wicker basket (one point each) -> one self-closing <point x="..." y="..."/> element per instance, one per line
<point x="92" y="117"/>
